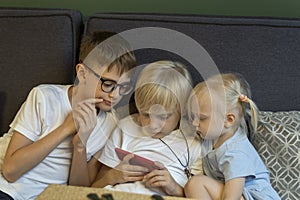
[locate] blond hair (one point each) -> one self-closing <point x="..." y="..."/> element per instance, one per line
<point x="236" y="92"/>
<point x="166" y="83"/>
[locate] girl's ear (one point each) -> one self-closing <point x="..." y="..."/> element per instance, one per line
<point x="81" y="73"/>
<point x="230" y="119"/>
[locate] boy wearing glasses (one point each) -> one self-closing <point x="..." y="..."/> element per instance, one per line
<point x="60" y="125"/>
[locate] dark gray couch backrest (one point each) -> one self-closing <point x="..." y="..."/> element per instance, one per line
<point x="37" y="46"/>
<point x="264" y="50"/>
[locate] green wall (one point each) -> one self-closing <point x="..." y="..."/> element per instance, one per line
<point x="273" y="8"/>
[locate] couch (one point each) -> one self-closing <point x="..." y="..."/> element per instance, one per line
<point x="41" y="45"/>
<point x="37" y="46"/>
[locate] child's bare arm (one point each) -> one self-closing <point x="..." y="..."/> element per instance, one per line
<point x="82" y="173"/>
<point x="23" y="154"/>
<point x="233" y="189"/>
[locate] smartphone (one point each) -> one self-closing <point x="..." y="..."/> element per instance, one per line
<point x="136" y="160"/>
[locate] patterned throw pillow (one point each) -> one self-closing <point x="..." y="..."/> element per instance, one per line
<point x="278" y="142"/>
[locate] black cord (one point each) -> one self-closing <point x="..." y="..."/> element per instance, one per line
<point x="186" y="167"/>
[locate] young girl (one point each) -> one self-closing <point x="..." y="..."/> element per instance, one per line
<point x="157" y="132"/>
<point x="232" y="166"/>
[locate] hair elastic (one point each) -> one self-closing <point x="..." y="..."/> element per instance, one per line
<point x="244" y="98"/>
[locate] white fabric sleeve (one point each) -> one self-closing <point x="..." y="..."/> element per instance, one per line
<point x="109" y="156"/>
<point x="28" y="120"/>
<point x="196" y="158"/>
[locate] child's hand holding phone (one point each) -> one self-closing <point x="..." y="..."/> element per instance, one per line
<point x="137" y="160"/>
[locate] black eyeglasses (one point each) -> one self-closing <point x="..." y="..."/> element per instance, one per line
<point x="111" y="85"/>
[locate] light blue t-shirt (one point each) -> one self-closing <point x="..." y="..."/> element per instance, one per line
<point x="236" y="158"/>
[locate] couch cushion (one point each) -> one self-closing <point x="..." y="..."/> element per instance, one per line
<point x="278" y="142"/>
<point x="37" y="46"/>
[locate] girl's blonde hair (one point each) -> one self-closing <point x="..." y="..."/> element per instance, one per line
<point x="237" y="94"/>
<point x="165" y="83"/>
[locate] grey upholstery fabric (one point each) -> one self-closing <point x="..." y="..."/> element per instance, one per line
<point x="265" y="50"/>
<point x="37" y="46"/>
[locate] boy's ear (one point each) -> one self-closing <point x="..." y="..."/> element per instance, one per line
<point x="81" y="73"/>
<point x="230" y="119"/>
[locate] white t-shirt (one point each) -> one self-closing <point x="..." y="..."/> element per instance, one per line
<point x="44" y="110"/>
<point x="131" y="137"/>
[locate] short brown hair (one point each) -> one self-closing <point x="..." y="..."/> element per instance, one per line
<point x="107" y="48"/>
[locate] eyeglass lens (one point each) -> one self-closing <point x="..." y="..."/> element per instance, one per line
<point x="109" y="86"/>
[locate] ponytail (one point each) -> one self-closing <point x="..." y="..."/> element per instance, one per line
<point x="252" y="112"/>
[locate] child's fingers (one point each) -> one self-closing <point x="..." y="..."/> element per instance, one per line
<point x="134" y="168"/>
<point x="85" y="113"/>
<point x="159" y="164"/>
<point x="88" y="105"/>
<point x="156" y="181"/>
<point x="86" y="109"/>
<point x="162" y="171"/>
<point x="127" y="158"/>
<point x="92" y="101"/>
<point x="135" y="178"/>
<point x="138" y="169"/>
